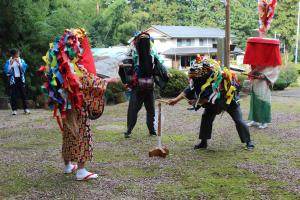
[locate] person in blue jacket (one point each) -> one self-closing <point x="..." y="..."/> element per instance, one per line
<point x="15" y="69"/>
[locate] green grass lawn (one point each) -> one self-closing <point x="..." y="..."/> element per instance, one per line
<point x="31" y="164"/>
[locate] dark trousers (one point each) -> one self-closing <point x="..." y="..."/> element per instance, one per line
<point x="15" y="89"/>
<point x="234" y="111"/>
<point x="137" y="99"/>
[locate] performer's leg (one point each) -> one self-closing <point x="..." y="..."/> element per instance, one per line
<point x="22" y="91"/>
<point x="13" y="97"/>
<point x="207" y="120"/>
<point x="70" y="141"/>
<point x="135" y="104"/>
<point x="241" y="127"/>
<point x="150" y="108"/>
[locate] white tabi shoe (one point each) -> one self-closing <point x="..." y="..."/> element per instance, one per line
<point x="70" y="168"/>
<point x="263" y="126"/>
<point x="252" y="123"/>
<point x="84" y="175"/>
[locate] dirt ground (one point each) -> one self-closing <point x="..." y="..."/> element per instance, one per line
<point x="31" y="166"/>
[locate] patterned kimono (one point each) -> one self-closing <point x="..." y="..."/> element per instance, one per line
<point x="74" y="90"/>
<point x="260" y="104"/>
<point x="77" y="136"/>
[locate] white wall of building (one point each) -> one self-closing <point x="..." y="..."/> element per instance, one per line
<point x="163" y="43"/>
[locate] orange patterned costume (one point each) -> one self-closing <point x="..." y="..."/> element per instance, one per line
<point x="75" y="91"/>
<point x="77" y="136"/>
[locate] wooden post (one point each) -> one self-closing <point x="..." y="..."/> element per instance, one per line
<point x="227" y="35"/>
<point x="159" y="120"/>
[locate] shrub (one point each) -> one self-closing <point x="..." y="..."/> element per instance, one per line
<point x="241" y="78"/>
<point x="3" y="79"/>
<point x="115" y="93"/>
<point x="178" y="81"/>
<point x="297" y="66"/>
<point x="288" y="75"/>
<point x="280" y="84"/>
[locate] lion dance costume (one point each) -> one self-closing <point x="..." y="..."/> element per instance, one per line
<point x="75" y="94"/>
<point x="216" y="89"/>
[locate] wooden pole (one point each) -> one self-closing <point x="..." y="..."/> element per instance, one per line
<point x="227" y="35"/>
<point x="159" y="120"/>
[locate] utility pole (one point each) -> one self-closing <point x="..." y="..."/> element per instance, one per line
<point x="297" y="36"/>
<point x="227" y="35"/>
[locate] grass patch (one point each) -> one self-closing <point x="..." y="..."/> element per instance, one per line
<point x="136" y="172"/>
<point x="114" y="155"/>
<point x="36" y="140"/>
<point x="290" y="124"/>
<point x="223" y="171"/>
<point x="14" y="181"/>
<point x="221" y="183"/>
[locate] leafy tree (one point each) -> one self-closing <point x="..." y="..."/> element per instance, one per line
<point x="244" y="19"/>
<point x="113" y="25"/>
<point x="23" y="22"/>
<point x="285" y="22"/>
<point x="31" y="24"/>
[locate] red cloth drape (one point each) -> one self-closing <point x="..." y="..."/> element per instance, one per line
<point x="87" y="59"/>
<point x="262" y="52"/>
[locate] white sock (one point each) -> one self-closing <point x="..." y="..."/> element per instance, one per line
<point x="69" y="167"/>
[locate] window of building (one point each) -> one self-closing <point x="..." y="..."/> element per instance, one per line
<point x="188" y="42"/>
<point x="209" y="42"/>
<point x="193" y="42"/>
<point x="179" y="42"/>
<point x="201" y="42"/>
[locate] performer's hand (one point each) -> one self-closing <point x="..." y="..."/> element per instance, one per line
<point x="172" y="102"/>
<point x="192" y="102"/>
<point x="262" y="76"/>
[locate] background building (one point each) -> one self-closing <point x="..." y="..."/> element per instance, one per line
<point x="178" y="45"/>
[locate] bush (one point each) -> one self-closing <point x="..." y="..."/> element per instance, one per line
<point x="115" y="93"/>
<point x="297" y="66"/>
<point x="280" y="84"/>
<point x="178" y="81"/>
<point x="241" y="78"/>
<point x="288" y="75"/>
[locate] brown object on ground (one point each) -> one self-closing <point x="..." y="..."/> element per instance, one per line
<point x="159" y="151"/>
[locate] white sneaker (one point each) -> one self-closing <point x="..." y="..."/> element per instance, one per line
<point x="252" y="123"/>
<point x="14" y="112"/>
<point x="26" y="111"/>
<point x="263" y="126"/>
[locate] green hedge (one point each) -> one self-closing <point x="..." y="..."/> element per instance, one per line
<point x="241" y="78"/>
<point x="288" y="75"/>
<point x="178" y="81"/>
<point x="297" y="66"/>
<point x="115" y="93"/>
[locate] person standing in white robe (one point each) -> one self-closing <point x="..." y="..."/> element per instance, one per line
<point x="263" y="80"/>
